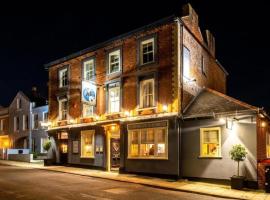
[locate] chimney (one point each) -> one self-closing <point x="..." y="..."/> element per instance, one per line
<point x="188" y="11"/>
<point x="210" y="39"/>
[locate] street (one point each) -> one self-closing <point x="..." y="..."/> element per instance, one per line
<point x="33" y="184"/>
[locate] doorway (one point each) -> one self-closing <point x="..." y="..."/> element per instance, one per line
<point x="115" y="154"/>
<point x="63" y="151"/>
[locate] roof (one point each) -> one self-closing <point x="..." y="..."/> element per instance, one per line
<point x="209" y="102"/>
<point x="103" y="44"/>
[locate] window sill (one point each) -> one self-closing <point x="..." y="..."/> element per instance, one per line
<point x="148" y="63"/>
<point x="148" y="108"/>
<point x="92" y="157"/>
<point x="148" y="158"/>
<point x="209" y="157"/>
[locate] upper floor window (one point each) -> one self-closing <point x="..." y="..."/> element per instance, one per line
<point x="186" y="62"/>
<point x="19" y="103"/>
<point x="114" y="97"/>
<point x="45" y="116"/>
<point x="63" y="77"/>
<point x="114" y="61"/>
<point x="210" y="139"/>
<point x="147" y="51"/>
<point x="88" y="69"/>
<point x="147" y="93"/>
<point x="35" y="121"/>
<point x="88" y="110"/>
<point x="25" y="122"/>
<point x="16" y="123"/>
<point x="1" y="124"/>
<point x="63" y="108"/>
<point x="203" y="66"/>
<point x="267" y="144"/>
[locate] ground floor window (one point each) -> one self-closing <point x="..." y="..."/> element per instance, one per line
<point x="210" y="142"/>
<point x="268" y="144"/>
<point x="42" y="142"/>
<point x="87" y="143"/>
<point x="148" y="143"/>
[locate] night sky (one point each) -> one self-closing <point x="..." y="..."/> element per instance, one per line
<point x="30" y="38"/>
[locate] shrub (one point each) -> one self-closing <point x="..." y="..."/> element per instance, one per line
<point x="47" y="145"/>
<point x="238" y="153"/>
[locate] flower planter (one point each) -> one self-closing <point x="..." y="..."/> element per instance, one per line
<point x="48" y="162"/>
<point x="237" y="182"/>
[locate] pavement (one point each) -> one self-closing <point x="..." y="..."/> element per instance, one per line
<point x="34" y="184"/>
<point x="210" y="189"/>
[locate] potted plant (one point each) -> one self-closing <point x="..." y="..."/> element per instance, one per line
<point x="46" y="146"/>
<point x="238" y="153"/>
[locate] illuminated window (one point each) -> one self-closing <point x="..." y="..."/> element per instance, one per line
<point x="63" y="106"/>
<point x="63" y="77"/>
<point x="149" y="143"/>
<point x="88" y="69"/>
<point x="210" y="142"/>
<point x="64" y="148"/>
<point x="186" y="62"/>
<point x="1" y="124"/>
<point x="147" y="93"/>
<point x="87" y="143"/>
<point x="114" y="98"/>
<point x="88" y="110"/>
<point x="63" y="135"/>
<point x="268" y="144"/>
<point x="147" y="51"/>
<point x="114" y="61"/>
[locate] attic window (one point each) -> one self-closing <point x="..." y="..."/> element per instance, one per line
<point x="19" y="103"/>
<point x="186" y="62"/>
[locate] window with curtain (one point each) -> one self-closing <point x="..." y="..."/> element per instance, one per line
<point x="147" y="93"/>
<point x="88" y="69"/>
<point x="210" y="142"/>
<point x="114" y="98"/>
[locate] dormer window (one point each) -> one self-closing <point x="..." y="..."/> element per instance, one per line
<point x="63" y="77"/>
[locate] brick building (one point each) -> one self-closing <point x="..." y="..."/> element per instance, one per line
<point x="119" y="104"/>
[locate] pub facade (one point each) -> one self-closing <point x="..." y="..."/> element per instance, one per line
<point x="117" y="105"/>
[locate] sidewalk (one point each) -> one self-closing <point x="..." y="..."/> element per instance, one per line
<point x="181" y="185"/>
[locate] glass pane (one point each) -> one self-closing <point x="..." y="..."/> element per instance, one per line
<point x="87" y="144"/>
<point x="147" y="149"/>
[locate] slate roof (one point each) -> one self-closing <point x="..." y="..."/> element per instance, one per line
<point x="209" y="102"/>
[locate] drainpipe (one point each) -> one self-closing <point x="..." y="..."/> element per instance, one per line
<point x="30" y="127"/>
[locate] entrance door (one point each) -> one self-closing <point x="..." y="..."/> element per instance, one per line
<point x="63" y="151"/>
<point x="115" y="153"/>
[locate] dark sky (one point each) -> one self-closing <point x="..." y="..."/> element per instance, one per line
<point x="31" y="37"/>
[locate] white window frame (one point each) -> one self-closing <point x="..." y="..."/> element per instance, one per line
<point x="186" y="62"/>
<point x="93" y="143"/>
<point x="42" y="140"/>
<point x="33" y="121"/>
<point x="202" y="142"/>
<point x="61" y="77"/>
<point x="85" y="71"/>
<point x="1" y="124"/>
<point x="142" y="83"/>
<point x="43" y="116"/>
<point x="60" y="111"/>
<point x="150" y="40"/>
<point x="91" y="110"/>
<point x="203" y="65"/>
<point x="155" y="157"/>
<point x="110" y="107"/>
<point x="114" y="53"/>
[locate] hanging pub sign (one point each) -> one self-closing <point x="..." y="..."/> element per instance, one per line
<point x="89" y="91"/>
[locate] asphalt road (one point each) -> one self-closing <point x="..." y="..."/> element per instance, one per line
<point x="34" y="184"/>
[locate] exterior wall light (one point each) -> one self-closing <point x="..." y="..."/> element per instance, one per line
<point x="222" y="120"/>
<point x="127" y="114"/>
<point x="113" y="128"/>
<point x="229" y="124"/>
<point x="263" y="124"/>
<point x="164" y="108"/>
